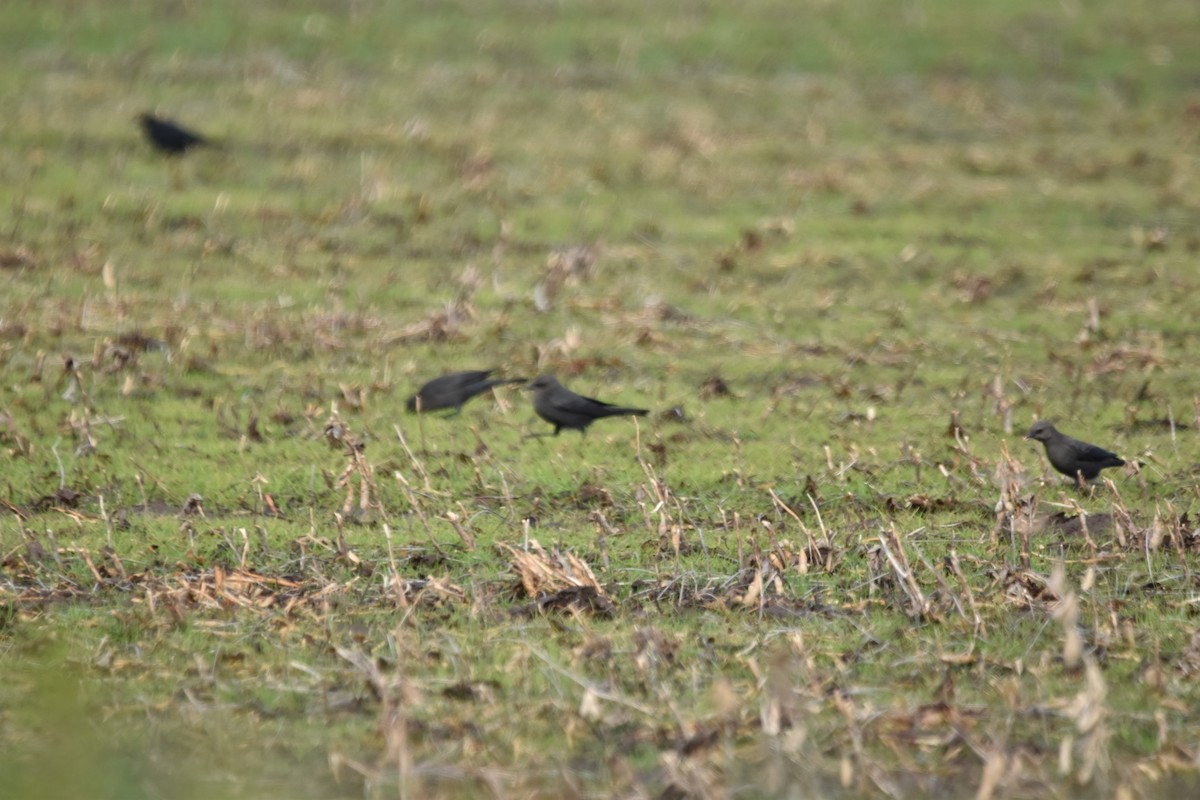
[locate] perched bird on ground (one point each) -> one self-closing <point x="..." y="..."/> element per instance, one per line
<point x="562" y="408"/>
<point x="451" y="391"/>
<point x="1072" y="457"/>
<point x="168" y="137"/>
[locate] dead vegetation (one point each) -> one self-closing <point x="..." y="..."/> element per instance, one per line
<point x="801" y="692"/>
<point x="845" y="265"/>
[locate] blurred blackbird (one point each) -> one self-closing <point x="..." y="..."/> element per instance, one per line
<point x="451" y="391"/>
<point x="169" y="138"/>
<point x="1070" y="456"/>
<point x="563" y="408"/>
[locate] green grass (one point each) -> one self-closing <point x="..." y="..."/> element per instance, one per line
<point x="865" y="220"/>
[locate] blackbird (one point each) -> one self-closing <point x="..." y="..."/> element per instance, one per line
<point x="1070" y="456"/>
<point x="168" y="137"/>
<point x="451" y="391"/>
<point x="562" y="408"/>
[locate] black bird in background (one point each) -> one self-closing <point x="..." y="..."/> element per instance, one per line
<point x="562" y="408"/>
<point x="1070" y="456"/>
<point x="451" y="391"/>
<point x="169" y="138"/>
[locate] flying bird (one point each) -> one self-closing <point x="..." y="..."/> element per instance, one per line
<point x="168" y="137"/>
<point x="562" y="408"/>
<point x="451" y="391"/>
<point x="1072" y="457"/>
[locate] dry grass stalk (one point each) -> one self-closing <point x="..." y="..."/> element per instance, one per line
<point x="782" y="506"/>
<point x="944" y="588"/>
<point x="668" y="530"/>
<point x="457" y="522"/>
<point x="977" y="619"/>
<point x="1066" y="612"/>
<point x="418" y="465"/>
<point x="604" y="531"/>
<point x="893" y="549"/>
<point x="10" y="433"/>
<point x="1081" y="515"/>
<point x="1122" y="521"/>
<point x="971" y="461"/>
<point x="415" y="501"/>
<point x="338" y="433"/>
<point x="1014" y="511"/>
<point x="1089" y="711"/>
<point x="395" y="584"/>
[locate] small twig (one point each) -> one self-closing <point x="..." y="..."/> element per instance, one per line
<point x="107" y="523"/>
<point x="419" y="509"/>
<point x="456" y="522"/>
<point x="820" y="521"/>
<point x="417" y="465"/>
<point x="812" y="545"/>
<point x="941" y="582"/>
<point x="956" y="568"/>
<point x="907" y="582"/>
<point x="62" y="473"/>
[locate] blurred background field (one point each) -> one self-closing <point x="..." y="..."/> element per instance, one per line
<point x="846" y="251"/>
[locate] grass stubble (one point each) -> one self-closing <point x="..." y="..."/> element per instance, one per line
<point x="847" y="255"/>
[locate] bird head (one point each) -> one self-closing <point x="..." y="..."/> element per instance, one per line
<point x="541" y="382"/>
<point x="1042" y="431"/>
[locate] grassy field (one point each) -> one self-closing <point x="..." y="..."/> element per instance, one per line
<point x="847" y="252"/>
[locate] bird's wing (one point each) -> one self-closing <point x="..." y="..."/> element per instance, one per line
<point x="1091" y="453"/>
<point x="578" y="404"/>
<point x="470" y="379"/>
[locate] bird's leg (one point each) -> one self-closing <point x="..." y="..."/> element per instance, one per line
<point x="421" y="429"/>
